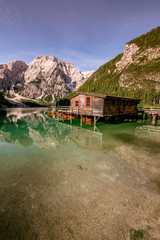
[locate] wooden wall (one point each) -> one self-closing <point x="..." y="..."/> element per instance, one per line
<point x="119" y="106"/>
<point x="102" y="107"/>
<point x="96" y="107"/>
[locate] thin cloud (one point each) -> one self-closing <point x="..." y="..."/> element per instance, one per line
<point x="83" y="61"/>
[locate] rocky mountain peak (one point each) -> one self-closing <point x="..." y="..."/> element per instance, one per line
<point x="47" y="75"/>
<point x="45" y="78"/>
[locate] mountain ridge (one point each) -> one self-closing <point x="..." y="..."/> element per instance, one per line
<point x="133" y="73"/>
<point x="45" y="79"/>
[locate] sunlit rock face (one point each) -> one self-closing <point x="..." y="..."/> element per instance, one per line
<point x="11" y="74"/>
<point x="135" y="56"/>
<point x="127" y="57"/>
<point x="46" y="77"/>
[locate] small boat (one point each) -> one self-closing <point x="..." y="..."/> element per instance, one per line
<point x="50" y="113"/>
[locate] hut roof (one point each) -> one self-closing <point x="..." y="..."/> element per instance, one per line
<point x="103" y="96"/>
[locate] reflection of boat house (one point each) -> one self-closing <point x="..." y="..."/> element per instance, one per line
<point x="87" y="138"/>
<point x="105" y="141"/>
<point x="101" y="105"/>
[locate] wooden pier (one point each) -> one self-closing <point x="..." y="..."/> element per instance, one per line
<point x="153" y="112"/>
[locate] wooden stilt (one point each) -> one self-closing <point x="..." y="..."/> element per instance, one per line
<point x="142" y="115"/>
<point x="81" y="120"/>
<point x="94" y="123"/>
<point x="154" y="119"/>
<point x="70" y="118"/>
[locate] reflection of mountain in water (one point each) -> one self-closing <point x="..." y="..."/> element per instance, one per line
<point x="30" y="128"/>
<point x="26" y="127"/>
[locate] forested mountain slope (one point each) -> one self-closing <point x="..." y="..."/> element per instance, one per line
<point x="134" y="73"/>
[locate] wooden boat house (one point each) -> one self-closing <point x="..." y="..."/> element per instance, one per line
<point x="100" y="105"/>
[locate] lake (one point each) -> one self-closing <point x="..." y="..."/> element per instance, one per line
<point x="62" y="181"/>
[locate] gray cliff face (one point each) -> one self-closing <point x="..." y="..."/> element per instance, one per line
<point x="133" y="55"/>
<point x="11" y="74"/>
<point x="46" y="77"/>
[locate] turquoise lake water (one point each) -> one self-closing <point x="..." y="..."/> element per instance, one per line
<point x="62" y="181"/>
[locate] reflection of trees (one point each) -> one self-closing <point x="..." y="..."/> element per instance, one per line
<point x="2" y="117"/>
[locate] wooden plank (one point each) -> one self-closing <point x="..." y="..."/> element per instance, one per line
<point x="98" y="104"/>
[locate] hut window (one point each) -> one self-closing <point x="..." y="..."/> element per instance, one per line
<point x="76" y="104"/>
<point x="88" y="102"/>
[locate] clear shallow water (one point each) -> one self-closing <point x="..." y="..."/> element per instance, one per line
<point x="61" y="181"/>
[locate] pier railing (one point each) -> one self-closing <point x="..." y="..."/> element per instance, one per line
<point x="149" y="110"/>
<point x="65" y="108"/>
<point x="69" y="109"/>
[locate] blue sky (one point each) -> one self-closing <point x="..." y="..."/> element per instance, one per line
<point x="86" y="32"/>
